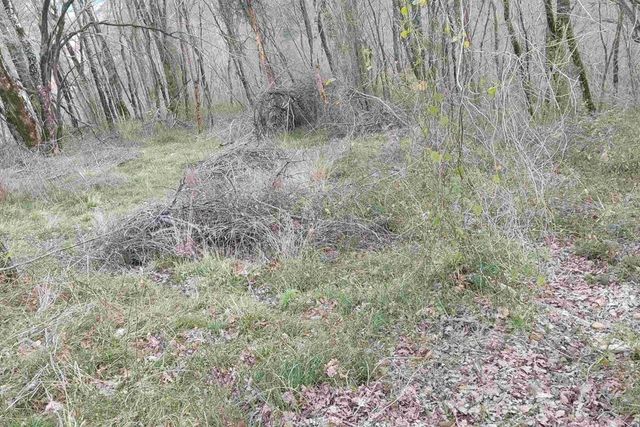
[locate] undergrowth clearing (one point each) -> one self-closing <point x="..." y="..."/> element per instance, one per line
<point x="477" y="266"/>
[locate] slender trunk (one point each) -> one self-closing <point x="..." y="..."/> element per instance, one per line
<point x="320" y="9"/>
<point x="159" y="88"/>
<point x="201" y="63"/>
<point x="115" y="83"/>
<point x="265" y="64"/>
<point x="616" y="56"/>
<point x="553" y="53"/>
<point x="153" y="16"/>
<point x="131" y="84"/>
<point x="235" y="49"/>
<point x="65" y="92"/>
<point x="308" y="29"/>
<point x="98" y="80"/>
<point x="194" y="69"/>
<point x="185" y="63"/>
<point x="51" y="45"/>
<point x="84" y="86"/>
<point x="359" y="69"/>
<point x="496" y="38"/>
<point x="412" y="36"/>
<point x="566" y="28"/>
<point x="517" y="50"/>
<point x="395" y="34"/>
<point x="380" y="42"/>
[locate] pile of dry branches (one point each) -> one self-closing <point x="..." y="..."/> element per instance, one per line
<point x="339" y="110"/>
<point x="258" y="202"/>
<point x="284" y="109"/>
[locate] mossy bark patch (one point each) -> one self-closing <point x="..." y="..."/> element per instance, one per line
<point x="22" y="124"/>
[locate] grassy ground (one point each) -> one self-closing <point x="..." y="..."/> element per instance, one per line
<point x="219" y="341"/>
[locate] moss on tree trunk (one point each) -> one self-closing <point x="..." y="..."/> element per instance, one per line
<point x="20" y="119"/>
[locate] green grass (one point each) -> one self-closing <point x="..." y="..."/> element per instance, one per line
<point x="604" y="189"/>
<point x="302" y="138"/>
<point x="155" y="173"/>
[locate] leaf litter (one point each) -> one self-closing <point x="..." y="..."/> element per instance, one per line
<point x="475" y="374"/>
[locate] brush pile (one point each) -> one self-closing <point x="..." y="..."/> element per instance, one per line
<point x="285" y="109"/>
<point x="341" y="111"/>
<point x="258" y="202"/>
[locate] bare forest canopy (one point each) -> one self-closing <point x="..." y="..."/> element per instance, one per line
<point x="77" y="64"/>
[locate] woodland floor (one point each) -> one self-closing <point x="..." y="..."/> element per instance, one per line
<point x="427" y="331"/>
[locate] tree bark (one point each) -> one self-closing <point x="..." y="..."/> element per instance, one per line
<point x="98" y="79"/>
<point x="566" y="28"/>
<point x="32" y="60"/>
<point x="235" y="49"/>
<point x="153" y="17"/>
<point x="107" y="60"/>
<point x="320" y="9"/>
<point x="517" y="50"/>
<point x="413" y="40"/>
<point x="395" y="35"/>
<point x="616" y="56"/>
<point x="18" y="57"/>
<point x="19" y="115"/>
<point x="265" y="64"/>
<point x="308" y="29"/>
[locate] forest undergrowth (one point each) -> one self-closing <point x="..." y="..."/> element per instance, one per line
<point x="381" y="279"/>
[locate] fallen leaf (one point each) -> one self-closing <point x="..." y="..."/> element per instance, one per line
<point x="53" y="407"/>
<point x="598" y="326"/>
<point x="331" y="369"/>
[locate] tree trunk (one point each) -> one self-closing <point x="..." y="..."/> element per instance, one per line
<point x="98" y="80"/>
<point x="395" y="34"/>
<point x="194" y="69"/>
<point x="19" y="115"/>
<point x="517" y="50"/>
<point x="616" y="56"/>
<point x="553" y="55"/>
<point x="359" y="69"/>
<point x="185" y="62"/>
<point x="413" y="40"/>
<point x="235" y="49"/>
<point x="265" y="64"/>
<point x="18" y="57"/>
<point x="566" y="28"/>
<point x="201" y="64"/>
<point x="32" y="60"/>
<point x="115" y="83"/>
<point x="320" y="9"/>
<point x="153" y="17"/>
<point x="308" y="29"/>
